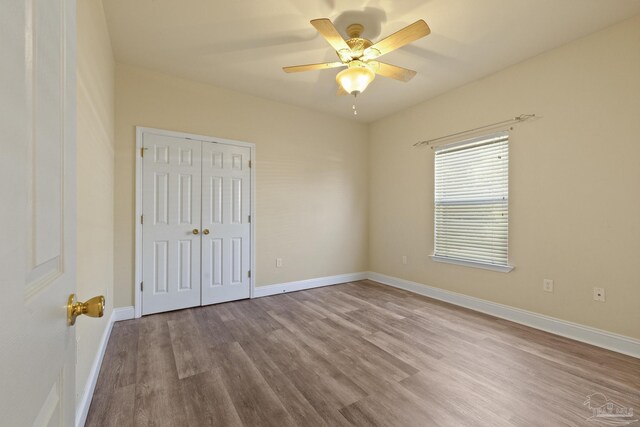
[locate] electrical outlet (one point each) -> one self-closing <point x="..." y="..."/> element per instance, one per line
<point x="598" y="294"/>
<point x="547" y="285"/>
<point x="278" y="262"/>
<point x="404" y="259"/>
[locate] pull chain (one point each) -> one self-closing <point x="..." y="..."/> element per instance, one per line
<point x="355" y="111"/>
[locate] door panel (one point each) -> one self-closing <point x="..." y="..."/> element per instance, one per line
<point x="215" y="209"/>
<point x="226" y="199"/>
<point x="215" y="245"/>
<point x="37" y="246"/>
<point x="171" y="208"/>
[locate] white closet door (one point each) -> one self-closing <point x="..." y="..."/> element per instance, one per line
<point x="171" y="210"/>
<point x="226" y="197"/>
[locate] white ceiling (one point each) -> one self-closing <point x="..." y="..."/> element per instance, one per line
<point x="243" y="44"/>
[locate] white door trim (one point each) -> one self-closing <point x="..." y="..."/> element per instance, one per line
<point x="140" y="130"/>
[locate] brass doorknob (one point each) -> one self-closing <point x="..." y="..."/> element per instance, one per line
<point x="195" y="231"/>
<point x="205" y="231"/>
<point x="92" y="308"/>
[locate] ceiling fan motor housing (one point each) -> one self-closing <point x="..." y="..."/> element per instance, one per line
<point x="355" y="42"/>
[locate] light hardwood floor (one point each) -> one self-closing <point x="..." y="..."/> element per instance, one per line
<point x="358" y="353"/>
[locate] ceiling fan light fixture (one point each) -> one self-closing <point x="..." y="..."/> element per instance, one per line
<point x="356" y="78"/>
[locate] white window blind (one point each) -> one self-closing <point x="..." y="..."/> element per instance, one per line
<point x="472" y="202"/>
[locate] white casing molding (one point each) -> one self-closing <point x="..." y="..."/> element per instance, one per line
<point x="300" y="285"/>
<point x="598" y="337"/>
<point x="140" y="131"/>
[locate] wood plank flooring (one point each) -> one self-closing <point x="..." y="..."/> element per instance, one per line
<point x="353" y="354"/>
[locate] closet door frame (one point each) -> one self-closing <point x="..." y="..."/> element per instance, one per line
<point x="140" y="131"/>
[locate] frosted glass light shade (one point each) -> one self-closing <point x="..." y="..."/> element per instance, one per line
<point x="356" y="78"/>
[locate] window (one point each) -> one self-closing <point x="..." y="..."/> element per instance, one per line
<point x="472" y="202"/>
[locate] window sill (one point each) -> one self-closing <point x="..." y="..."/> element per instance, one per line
<point x="493" y="267"/>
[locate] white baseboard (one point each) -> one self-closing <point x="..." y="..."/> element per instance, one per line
<point x="619" y="343"/>
<point x="300" y="285"/>
<point x="123" y="313"/>
<point x="83" y="409"/>
<point x="117" y="314"/>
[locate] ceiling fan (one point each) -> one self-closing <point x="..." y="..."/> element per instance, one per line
<point x="360" y="55"/>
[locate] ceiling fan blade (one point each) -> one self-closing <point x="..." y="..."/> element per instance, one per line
<point x="309" y="67"/>
<point x="328" y="31"/>
<point x="341" y="91"/>
<point x="394" y="72"/>
<point x="398" y="39"/>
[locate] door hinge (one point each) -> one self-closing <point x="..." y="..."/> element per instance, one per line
<point x="141" y="286"/>
<point x="142" y="151"/>
<point x="249" y="163"/>
<point x="249" y="218"/>
<point x="249" y="273"/>
<point x="141" y="219"/>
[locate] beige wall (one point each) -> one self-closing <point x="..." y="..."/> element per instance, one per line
<point x="574" y="182"/>
<point x="95" y="130"/>
<point x="575" y="204"/>
<point x="311" y="173"/>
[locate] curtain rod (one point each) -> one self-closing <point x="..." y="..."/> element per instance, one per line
<point x="518" y="119"/>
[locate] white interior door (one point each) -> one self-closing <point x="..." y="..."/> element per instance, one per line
<point x="171" y="223"/>
<point x="226" y="205"/>
<point x="37" y="215"/>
